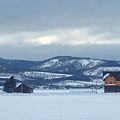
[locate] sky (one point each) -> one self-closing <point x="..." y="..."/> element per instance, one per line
<point x="42" y="29"/>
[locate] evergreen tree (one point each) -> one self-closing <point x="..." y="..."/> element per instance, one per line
<point x="10" y="84"/>
<point x="6" y="86"/>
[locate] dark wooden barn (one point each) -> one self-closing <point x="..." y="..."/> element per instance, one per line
<point x="23" y="88"/>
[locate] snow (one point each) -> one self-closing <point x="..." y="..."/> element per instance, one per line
<point x="105" y="76"/>
<point x="45" y="75"/>
<point x="50" y="63"/>
<point x="90" y="63"/>
<point x="99" y="71"/>
<point x="60" y="105"/>
<point x="111" y="68"/>
<point x="110" y="85"/>
<point x="4" y="77"/>
<point x="8" y="75"/>
<point x="79" y="83"/>
<point x="78" y="63"/>
<point x="94" y="72"/>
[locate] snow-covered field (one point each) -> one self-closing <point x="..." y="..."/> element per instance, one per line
<point x="60" y="105"/>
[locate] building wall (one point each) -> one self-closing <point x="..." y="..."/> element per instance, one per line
<point x="111" y="84"/>
<point x="118" y="83"/>
<point x="23" y="89"/>
<point x="110" y="80"/>
<point x="111" y="89"/>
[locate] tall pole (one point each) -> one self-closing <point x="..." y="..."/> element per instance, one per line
<point x="22" y="88"/>
<point x="92" y="86"/>
<point x="29" y="89"/>
<point x="96" y="86"/>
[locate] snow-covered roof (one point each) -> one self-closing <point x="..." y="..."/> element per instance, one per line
<point x="115" y="74"/>
<point x="18" y="84"/>
<point x="106" y="75"/>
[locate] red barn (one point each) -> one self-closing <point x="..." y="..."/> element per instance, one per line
<point x="111" y="81"/>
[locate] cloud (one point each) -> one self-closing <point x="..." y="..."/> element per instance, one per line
<point x="59" y="27"/>
<point x="47" y="51"/>
<point x="29" y="16"/>
<point x="44" y="40"/>
<point x="69" y="37"/>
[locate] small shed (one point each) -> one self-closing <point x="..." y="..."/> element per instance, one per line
<point x="23" y="88"/>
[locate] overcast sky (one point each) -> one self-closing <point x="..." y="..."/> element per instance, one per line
<point x="41" y="29"/>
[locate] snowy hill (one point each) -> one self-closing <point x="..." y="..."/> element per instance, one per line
<point x="57" y="69"/>
<point x="67" y="64"/>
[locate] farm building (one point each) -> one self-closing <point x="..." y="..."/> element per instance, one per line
<point x="23" y="88"/>
<point x="111" y="81"/>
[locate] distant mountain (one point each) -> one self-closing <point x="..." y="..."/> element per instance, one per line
<point x="57" y="69"/>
